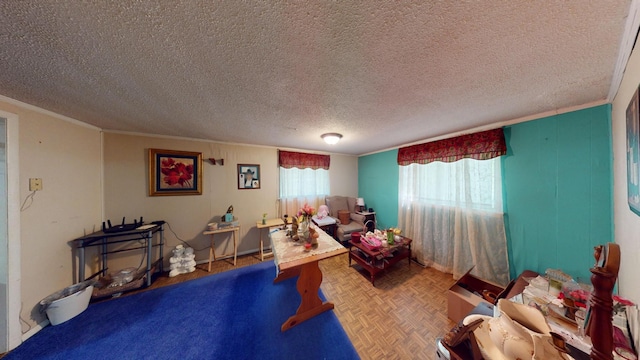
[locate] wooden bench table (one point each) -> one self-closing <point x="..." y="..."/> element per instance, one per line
<point x="291" y="260"/>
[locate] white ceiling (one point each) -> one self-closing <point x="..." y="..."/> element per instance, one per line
<point x="281" y="73"/>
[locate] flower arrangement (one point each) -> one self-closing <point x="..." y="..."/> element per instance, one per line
<point x="176" y="172"/>
<point x="577" y="294"/>
<point x="306" y="213"/>
<point x="620" y="304"/>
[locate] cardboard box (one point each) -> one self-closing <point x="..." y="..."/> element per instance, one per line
<point x="466" y="294"/>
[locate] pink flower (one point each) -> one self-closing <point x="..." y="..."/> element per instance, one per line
<point x="579" y="294"/>
<point x="306" y="211"/>
<point x="620" y="303"/>
<point x="623" y="301"/>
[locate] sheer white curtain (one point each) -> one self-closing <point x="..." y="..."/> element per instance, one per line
<point x="302" y="186"/>
<point x="453" y="212"/>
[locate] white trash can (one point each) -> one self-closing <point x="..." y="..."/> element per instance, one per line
<point x="67" y="303"/>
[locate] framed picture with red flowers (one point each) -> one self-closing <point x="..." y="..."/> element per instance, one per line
<point x="173" y="172"/>
<point x="248" y="176"/>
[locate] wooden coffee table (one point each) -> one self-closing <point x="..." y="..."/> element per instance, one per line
<point x="375" y="261"/>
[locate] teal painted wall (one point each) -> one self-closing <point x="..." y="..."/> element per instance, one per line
<point x="557" y="182"/>
<point x="378" y="185"/>
<point x="557" y="186"/>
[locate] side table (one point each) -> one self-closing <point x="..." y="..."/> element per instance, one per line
<point x="369" y="219"/>
<point x="368" y="258"/>
<point x="212" y="250"/>
<point x="267" y="224"/>
<point x="327" y="224"/>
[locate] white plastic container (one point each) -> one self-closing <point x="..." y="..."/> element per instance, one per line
<point x="441" y="352"/>
<point x="69" y="307"/>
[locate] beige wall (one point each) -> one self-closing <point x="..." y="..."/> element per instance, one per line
<point x="626" y="223"/>
<point x="67" y="156"/>
<point x="126" y="191"/>
<point x="344" y="175"/>
<point x="73" y="158"/>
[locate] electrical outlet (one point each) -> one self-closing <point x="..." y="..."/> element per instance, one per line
<point x="35" y="184"/>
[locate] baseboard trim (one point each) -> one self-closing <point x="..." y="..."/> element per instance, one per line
<point x="34" y="330"/>
<point x="206" y="261"/>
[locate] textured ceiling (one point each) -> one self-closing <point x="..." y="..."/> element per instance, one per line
<point x="281" y="73"/>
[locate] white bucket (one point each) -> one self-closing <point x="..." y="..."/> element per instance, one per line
<point x="69" y="307"/>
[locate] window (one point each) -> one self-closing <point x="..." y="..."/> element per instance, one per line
<point x="304" y="179"/>
<point x="296" y="183"/>
<point x="473" y="184"/>
<point x="453" y="212"/>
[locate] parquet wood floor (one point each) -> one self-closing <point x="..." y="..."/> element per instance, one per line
<point x="399" y="318"/>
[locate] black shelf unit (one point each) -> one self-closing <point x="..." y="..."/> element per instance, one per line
<point x="146" y="235"/>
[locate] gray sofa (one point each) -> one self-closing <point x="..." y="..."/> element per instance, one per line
<point x="356" y="223"/>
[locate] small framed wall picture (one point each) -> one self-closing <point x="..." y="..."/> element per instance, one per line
<point x="248" y="176"/>
<point x="173" y="172"/>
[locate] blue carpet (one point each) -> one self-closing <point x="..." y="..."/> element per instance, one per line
<point x="232" y="315"/>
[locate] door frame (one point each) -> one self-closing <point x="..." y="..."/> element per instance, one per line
<point x="14" y="292"/>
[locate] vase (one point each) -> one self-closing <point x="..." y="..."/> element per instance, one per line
<point x="303" y="229"/>
<point x="390" y="239"/>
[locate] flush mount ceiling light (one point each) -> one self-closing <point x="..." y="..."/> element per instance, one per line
<point x="331" y="138"/>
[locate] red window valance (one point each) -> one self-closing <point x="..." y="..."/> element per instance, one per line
<point x="480" y="146"/>
<point x="290" y="159"/>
